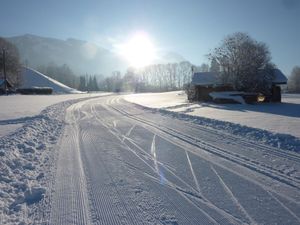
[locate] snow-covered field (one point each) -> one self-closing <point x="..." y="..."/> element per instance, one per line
<point x="96" y="159"/>
<point x="18" y="109"/>
<point x="283" y="118"/>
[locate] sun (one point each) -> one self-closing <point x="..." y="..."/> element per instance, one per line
<point x="139" y="50"/>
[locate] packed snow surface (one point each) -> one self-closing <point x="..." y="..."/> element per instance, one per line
<point x="283" y="118"/>
<point x="33" y="78"/>
<point x="103" y="160"/>
<point x="18" y="109"/>
<point x="30" y="126"/>
<point x="123" y="164"/>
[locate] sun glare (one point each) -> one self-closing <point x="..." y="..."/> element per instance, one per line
<point x="138" y="50"/>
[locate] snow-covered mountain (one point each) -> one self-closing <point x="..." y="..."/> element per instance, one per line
<point x="33" y="78"/>
<point x="81" y="56"/>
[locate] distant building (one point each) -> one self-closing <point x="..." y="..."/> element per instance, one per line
<point x="204" y="83"/>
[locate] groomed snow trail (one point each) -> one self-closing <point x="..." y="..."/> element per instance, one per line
<point x="120" y="164"/>
<point x="70" y="204"/>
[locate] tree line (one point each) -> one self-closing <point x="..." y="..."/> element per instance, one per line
<point x="238" y="60"/>
<point x="65" y="75"/>
<point x="294" y="81"/>
<point x="246" y="65"/>
<point x="152" y="78"/>
<point x="12" y="62"/>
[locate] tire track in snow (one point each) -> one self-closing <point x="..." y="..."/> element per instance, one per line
<point x="105" y="200"/>
<point x="263" y="187"/>
<point x="249" y="143"/>
<point x="233" y="198"/>
<point x="251" y="146"/>
<point x="284" y="206"/>
<point x="129" y="132"/>
<point x="185" y="194"/>
<point x="117" y="136"/>
<point x="192" y="171"/>
<point x="238" y="159"/>
<point x="153" y="152"/>
<point x="178" y="190"/>
<point x="154" y="169"/>
<point x="104" y="209"/>
<point x="258" y="147"/>
<point x="175" y="187"/>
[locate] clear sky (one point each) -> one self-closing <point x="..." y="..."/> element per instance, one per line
<point x="190" y="28"/>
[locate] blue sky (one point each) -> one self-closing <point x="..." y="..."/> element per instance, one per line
<point x="188" y="27"/>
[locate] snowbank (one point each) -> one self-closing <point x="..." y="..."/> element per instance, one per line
<point x="276" y="124"/>
<point x="229" y="95"/>
<point x="18" y="109"/>
<point x="27" y="154"/>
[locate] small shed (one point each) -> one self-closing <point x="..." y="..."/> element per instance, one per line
<point x="279" y="79"/>
<point x="204" y="83"/>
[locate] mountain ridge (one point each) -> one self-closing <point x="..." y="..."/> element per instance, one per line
<point x="81" y="56"/>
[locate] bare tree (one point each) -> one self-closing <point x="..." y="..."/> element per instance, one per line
<point x="166" y="77"/>
<point x="242" y="60"/>
<point x="12" y="62"/>
<point x="130" y="81"/>
<point x="294" y="80"/>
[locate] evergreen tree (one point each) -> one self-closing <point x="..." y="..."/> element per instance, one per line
<point x="82" y="83"/>
<point x="95" y="84"/>
<point x="12" y="62"/>
<point x="294" y="80"/>
<point x="90" y="84"/>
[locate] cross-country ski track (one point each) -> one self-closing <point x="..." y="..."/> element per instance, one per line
<point x="118" y="163"/>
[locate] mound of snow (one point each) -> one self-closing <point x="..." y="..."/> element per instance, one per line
<point x="27" y="159"/>
<point x="280" y="118"/>
<point x="33" y="78"/>
<point x="230" y="95"/>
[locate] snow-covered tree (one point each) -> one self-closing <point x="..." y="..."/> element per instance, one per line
<point x="214" y="66"/>
<point x="95" y="84"/>
<point x="242" y="60"/>
<point x="82" y="83"/>
<point x="294" y="80"/>
<point x="12" y="62"/>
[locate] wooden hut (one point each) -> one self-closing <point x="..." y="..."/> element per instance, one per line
<point x="204" y="83"/>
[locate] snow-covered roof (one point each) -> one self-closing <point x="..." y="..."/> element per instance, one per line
<point x="204" y="78"/>
<point x="210" y="78"/>
<point x="280" y="78"/>
<point x="33" y="78"/>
